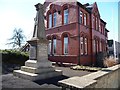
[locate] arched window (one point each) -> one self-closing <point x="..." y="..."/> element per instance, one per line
<point x="82" y="45"/>
<point x="54" y="18"/>
<point x="86" y="46"/>
<point x="66" y="16"/>
<point x="50" y="20"/>
<point x="65" y="44"/>
<point x="54" y="45"/>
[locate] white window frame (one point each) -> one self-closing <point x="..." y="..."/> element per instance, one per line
<point x="65" y="45"/>
<point x="66" y="16"/>
<point x="50" y="20"/>
<point x="54" y="19"/>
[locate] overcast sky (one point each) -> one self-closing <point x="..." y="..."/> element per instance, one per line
<point x="21" y="13"/>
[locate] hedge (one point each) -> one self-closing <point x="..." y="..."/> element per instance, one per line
<point x="14" y="57"/>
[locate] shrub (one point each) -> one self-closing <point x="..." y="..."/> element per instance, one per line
<point x="108" y="62"/>
<point x="14" y="57"/>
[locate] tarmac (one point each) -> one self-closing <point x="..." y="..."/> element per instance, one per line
<point x="11" y="82"/>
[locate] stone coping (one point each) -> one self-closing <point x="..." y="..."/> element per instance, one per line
<point x="87" y="80"/>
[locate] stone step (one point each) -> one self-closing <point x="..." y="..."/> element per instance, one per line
<point x="33" y="77"/>
<point x="36" y="70"/>
<point x="35" y="64"/>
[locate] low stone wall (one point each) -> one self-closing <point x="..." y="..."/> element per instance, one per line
<point x="108" y="78"/>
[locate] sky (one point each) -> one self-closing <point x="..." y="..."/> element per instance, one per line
<point x="21" y="14"/>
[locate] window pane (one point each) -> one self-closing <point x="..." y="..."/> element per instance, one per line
<point x="49" y="47"/>
<point x="54" y="19"/>
<point x="84" y="19"/>
<point x="94" y="45"/>
<point x="80" y="17"/>
<point x="82" y="46"/>
<point x="65" y="45"/>
<point x="66" y="16"/>
<point x="54" y="46"/>
<point x="50" y="20"/>
<point x="85" y="45"/>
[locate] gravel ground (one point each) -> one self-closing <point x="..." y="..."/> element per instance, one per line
<point x="10" y="81"/>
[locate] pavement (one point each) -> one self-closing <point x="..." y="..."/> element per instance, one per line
<point x="10" y="81"/>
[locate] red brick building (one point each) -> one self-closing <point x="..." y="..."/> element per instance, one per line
<point x="75" y="32"/>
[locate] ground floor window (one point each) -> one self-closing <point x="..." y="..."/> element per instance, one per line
<point x="86" y="46"/>
<point x="81" y="45"/>
<point x="66" y="45"/>
<point x="94" y="46"/>
<point x="49" y="47"/>
<point x="54" y="45"/>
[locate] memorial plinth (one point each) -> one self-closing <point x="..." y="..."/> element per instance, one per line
<point x="38" y="66"/>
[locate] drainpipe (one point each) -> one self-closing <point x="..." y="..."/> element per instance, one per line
<point x="78" y="37"/>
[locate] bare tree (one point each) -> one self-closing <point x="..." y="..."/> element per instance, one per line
<point x="17" y="39"/>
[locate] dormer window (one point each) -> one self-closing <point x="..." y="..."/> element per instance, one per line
<point x="50" y="20"/>
<point x="66" y="16"/>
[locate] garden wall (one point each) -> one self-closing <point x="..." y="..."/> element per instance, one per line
<point x="108" y="78"/>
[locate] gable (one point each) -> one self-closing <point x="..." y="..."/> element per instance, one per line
<point x="95" y="10"/>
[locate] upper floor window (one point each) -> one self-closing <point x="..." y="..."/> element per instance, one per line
<point x="49" y="47"/>
<point x="96" y="23"/>
<point x="50" y="20"/>
<point x="82" y="46"/>
<point x="66" y="45"/>
<point x="93" y="22"/>
<point x="86" y="48"/>
<point x="80" y="17"/>
<point x="99" y="26"/>
<point x="54" y="18"/>
<point x="54" y="45"/>
<point x="66" y="16"/>
<point x="85" y="19"/>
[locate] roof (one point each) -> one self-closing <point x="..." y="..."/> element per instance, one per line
<point x="107" y="30"/>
